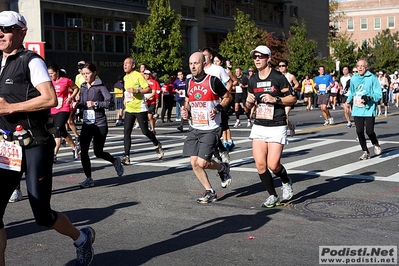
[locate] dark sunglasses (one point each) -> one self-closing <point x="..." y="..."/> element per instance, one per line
<point x="9" y="29"/>
<point x="260" y="56"/>
<point x="282" y="65"/>
<point x="354" y="71"/>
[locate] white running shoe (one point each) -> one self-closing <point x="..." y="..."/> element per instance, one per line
<point x="237" y="124"/>
<point x="16" y="196"/>
<point x="377" y="149"/>
<point x="287" y="190"/>
<point x="331" y="120"/>
<point x="271" y="202"/>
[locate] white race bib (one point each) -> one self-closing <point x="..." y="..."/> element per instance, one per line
<point x="89" y="117"/>
<point x="10" y="156"/>
<point x="238" y="89"/>
<point x="308" y="88"/>
<point x="128" y="96"/>
<point x="265" y="111"/>
<point x="60" y="101"/>
<point x="199" y="116"/>
<point x="357" y="101"/>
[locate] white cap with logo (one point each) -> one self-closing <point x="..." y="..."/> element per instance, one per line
<point x="11" y="18"/>
<point x="262" y="49"/>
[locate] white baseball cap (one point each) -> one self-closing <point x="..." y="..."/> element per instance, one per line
<point x="262" y="49"/>
<point x="396" y="72"/>
<point x="11" y="18"/>
<point x="147" y="72"/>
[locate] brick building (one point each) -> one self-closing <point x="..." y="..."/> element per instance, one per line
<point x="363" y="20"/>
<point x="101" y="30"/>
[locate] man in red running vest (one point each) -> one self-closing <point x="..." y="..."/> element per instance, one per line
<point x="203" y="95"/>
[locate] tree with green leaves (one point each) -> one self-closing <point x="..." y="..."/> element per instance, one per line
<point x="384" y="52"/>
<point x="343" y="50"/>
<point x="302" y="52"/>
<point x="158" y="42"/>
<point x="239" y="43"/>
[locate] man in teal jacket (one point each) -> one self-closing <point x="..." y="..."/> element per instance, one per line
<point x="364" y="94"/>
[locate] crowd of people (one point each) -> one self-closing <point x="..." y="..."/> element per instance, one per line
<point x="264" y="94"/>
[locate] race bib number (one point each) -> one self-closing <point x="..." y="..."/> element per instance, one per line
<point x="322" y="88"/>
<point x="89" y="117"/>
<point x="395" y="85"/>
<point x="265" y="111"/>
<point x="128" y="96"/>
<point x="199" y="116"/>
<point x="308" y="88"/>
<point x="10" y="156"/>
<point x="357" y="101"/>
<point x="60" y="101"/>
<point x="182" y="94"/>
<point x="238" y="89"/>
<point x="334" y="90"/>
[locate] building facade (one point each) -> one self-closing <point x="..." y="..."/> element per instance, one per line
<point x="100" y="31"/>
<point x="363" y="20"/>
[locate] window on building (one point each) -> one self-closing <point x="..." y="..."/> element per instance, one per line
<point x="351" y="25"/>
<point x="336" y="26"/>
<point x="72" y="41"/>
<point x="377" y="23"/>
<point x="363" y="24"/>
<point x="59" y="37"/>
<point x="294" y="11"/>
<point x="59" y="20"/>
<point x="391" y="22"/>
<point x="188" y="11"/>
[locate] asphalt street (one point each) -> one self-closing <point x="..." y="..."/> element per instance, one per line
<point x="150" y="215"/>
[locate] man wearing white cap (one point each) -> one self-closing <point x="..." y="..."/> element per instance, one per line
<point x="271" y="91"/>
<point x="26" y="103"/>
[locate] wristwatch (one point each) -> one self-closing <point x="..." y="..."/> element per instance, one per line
<point x="96" y="104"/>
<point x="278" y="99"/>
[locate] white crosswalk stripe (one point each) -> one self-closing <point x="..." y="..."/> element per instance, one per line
<point x="142" y="153"/>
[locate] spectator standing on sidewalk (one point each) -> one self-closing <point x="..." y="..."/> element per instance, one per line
<point x="179" y="87"/>
<point x="27" y="102"/>
<point x="271" y="91"/>
<point x="364" y="94"/>
<point x="94" y="99"/>
<point x="118" y="94"/>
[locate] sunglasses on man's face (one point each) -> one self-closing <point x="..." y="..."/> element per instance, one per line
<point x="9" y="29"/>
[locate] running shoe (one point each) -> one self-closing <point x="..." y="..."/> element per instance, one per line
<point x="365" y="156"/>
<point x="231" y="146"/>
<point x="225" y="175"/>
<point x="292" y="131"/>
<point x="85" y="252"/>
<point x="55" y="159"/>
<point x="16" y="196"/>
<point x="178" y="119"/>
<point x="326" y="123"/>
<point x="170" y="121"/>
<point x="331" y="120"/>
<point x="87" y="183"/>
<point x="237" y="124"/>
<point x="379" y="113"/>
<point x="125" y="160"/>
<point x="159" y="150"/>
<point x="119" y="123"/>
<point x="180" y="128"/>
<point x="349" y="125"/>
<point x="136" y="126"/>
<point x="287" y="190"/>
<point x="119" y="167"/>
<point x="208" y="197"/>
<point x="386" y="114"/>
<point x="249" y="123"/>
<point x="271" y="202"/>
<point x="225" y="156"/>
<point x="76" y="152"/>
<point x="377" y="149"/>
<point x="311" y="107"/>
